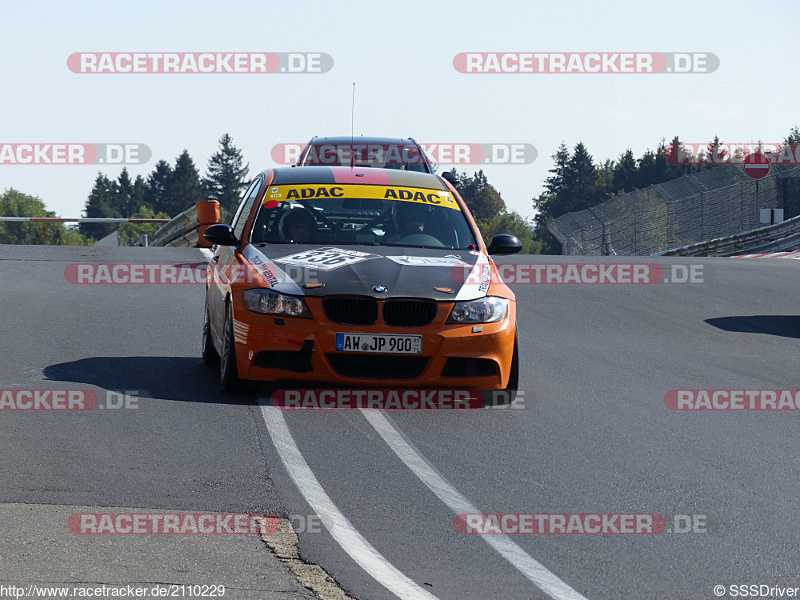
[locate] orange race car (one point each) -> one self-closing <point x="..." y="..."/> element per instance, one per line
<point x="357" y="277"/>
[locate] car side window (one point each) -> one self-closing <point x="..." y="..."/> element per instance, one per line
<point x="245" y="206"/>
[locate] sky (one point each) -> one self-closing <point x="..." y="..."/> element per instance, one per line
<point x="401" y="57"/>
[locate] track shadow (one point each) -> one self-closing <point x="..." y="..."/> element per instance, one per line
<point x="191" y="380"/>
<point x="164" y="377"/>
<point x="780" y="325"/>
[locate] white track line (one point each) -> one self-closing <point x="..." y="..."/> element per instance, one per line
<point x="351" y="541"/>
<point x="524" y="562"/>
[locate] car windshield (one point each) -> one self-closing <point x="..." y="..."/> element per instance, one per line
<point x="362" y="215"/>
<point x="381" y="155"/>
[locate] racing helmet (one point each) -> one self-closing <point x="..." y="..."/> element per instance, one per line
<point x="298" y="219"/>
<point x="411" y="217"/>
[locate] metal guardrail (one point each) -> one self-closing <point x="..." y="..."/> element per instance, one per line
<point x="79" y="220"/>
<point x="186" y="230"/>
<point x="772" y="238"/>
<point x="719" y="202"/>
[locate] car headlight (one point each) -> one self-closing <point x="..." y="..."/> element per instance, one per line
<point x="269" y="302"/>
<point x="483" y="310"/>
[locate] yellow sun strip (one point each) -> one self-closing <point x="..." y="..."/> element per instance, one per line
<point x="281" y="193"/>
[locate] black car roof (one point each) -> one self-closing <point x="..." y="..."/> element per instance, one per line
<point x="347" y="175"/>
<point x="360" y="139"/>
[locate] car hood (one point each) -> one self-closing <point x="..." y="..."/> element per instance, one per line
<point x="376" y="271"/>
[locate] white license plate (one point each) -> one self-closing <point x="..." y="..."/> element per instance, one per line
<point x="385" y="344"/>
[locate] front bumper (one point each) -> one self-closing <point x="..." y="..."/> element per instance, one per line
<point x="288" y="349"/>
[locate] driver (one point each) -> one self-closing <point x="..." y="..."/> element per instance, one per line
<point x="410" y="219"/>
<point x="299" y="226"/>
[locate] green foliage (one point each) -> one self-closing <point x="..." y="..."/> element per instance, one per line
<point x="226" y="178"/>
<point x="624" y="173"/>
<point x="794" y="136"/>
<point x="130" y="195"/>
<point x="183" y="188"/>
<point x="16" y="204"/>
<point x="482" y="199"/>
<point x="156" y="187"/>
<point x="129" y="233"/>
<point x="558" y="197"/>
<point x="577" y="183"/>
<point x="489" y="211"/>
<point x="103" y="202"/>
<point x="167" y="192"/>
<point x="514" y="224"/>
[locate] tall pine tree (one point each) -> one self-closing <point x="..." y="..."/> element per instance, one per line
<point x="102" y="202"/>
<point x="625" y="172"/>
<point x="580" y="180"/>
<point x="183" y="188"/>
<point x="130" y="194"/>
<point x="226" y="178"/>
<point x="549" y="204"/>
<point x="156" y="187"/>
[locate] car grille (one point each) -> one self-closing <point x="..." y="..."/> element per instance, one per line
<point x="409" y="313"/>
<point x="378" y="366"/>
<point x="364" y="311"/>
<point x="351" y="311"/>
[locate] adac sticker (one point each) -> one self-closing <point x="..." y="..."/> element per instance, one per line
<point x="425" y="196"/>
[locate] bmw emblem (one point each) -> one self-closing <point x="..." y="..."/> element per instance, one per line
<point x="379" y="289"/>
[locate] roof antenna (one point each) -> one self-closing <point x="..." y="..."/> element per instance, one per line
<point x="352" y="128"/>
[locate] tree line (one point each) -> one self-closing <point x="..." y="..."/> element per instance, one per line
<point x="577" y="182"/>
<point x="166" y="192"/>
<point x="489" y="210"/>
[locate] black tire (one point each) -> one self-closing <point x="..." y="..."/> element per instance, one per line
<point x="210" y="355"/>
<point x="228" y="373"/>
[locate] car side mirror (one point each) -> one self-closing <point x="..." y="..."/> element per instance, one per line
<point x="451" y="177"/>
<point x="504" y="243"/>
<point x="220" y="235"/>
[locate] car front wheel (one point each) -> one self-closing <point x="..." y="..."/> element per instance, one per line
<point x="228" y="375"/>
<point x="210" y="356"/>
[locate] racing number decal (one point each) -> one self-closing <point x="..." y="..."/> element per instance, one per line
<point x="326" y="259"/>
